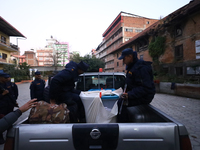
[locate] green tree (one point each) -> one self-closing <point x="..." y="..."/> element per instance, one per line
<point x="93" y="62"/>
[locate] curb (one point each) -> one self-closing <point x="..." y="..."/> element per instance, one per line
<point x="25" y="81"/>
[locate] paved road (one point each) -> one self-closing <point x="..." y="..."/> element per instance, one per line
<point x="183" y="109"/>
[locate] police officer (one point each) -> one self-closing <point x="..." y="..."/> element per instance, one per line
<point x="14" y="89"/>
<point x="62" y="89"/>
<point x="37" y="87"/>
<point x="7" y="101"/>
<point x="139" y="80"/>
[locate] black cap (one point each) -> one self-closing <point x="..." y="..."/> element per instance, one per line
<point x="83" y="66"/>
<point x="126" y="52"/>
<point x="5" y="75"/>
<point x="37" y="73"/>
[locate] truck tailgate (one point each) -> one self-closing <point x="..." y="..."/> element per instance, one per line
<point x="122" y="136"/>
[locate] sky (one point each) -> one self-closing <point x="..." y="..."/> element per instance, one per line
<point x="81" y="23"/>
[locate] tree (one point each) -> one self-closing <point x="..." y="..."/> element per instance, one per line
<point x="93" y="62"/>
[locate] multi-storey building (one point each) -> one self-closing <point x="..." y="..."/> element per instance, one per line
<point x="123" y="28"/>
<point x="61" y="52"/>
<point x="6" y="48"/>
<point x="45" y="56"/>
<point x="181" y="29"/>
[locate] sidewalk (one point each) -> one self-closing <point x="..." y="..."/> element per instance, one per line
<point x="183" y="109"/>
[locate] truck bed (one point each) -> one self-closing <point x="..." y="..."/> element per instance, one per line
<point x="148" y="129"/>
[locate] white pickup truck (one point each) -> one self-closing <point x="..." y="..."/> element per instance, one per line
<point x="148" y="128"/>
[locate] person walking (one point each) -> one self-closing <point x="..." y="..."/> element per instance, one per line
<point x="62" y="89"/>
<point x="37" y="87"/>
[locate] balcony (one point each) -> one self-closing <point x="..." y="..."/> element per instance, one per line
<point x="8" y="46"/>
<point x="109" y="58"/>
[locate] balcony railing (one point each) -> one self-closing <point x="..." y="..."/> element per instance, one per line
<point x="8" y="45"/>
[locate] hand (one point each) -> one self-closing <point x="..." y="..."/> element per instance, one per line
<point x="52" y="101"/>
<point x="28" y="105"/>
<point x="5" y="92"/>
<point x="124" y="96"/>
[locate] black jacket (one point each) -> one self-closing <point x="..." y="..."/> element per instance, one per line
<point x="37" y="89"/>
<point x="64" y="81"/>
<point x="139" y="80"/>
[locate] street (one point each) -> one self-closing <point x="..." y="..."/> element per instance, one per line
<point x="183" y="109"/>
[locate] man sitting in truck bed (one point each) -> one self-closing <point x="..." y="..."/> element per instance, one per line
<point x="62" y="89"/>
<point x="139" y="80"/>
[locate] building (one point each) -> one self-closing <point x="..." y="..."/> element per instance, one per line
<point x="6" y="48"/>
<point x="45" y="57"/>
<point x="30" y="58"/>
<point x="61" y="52"/>
<point x="181" y="30"/>
<point x="123" y="28"/>
<point x="93" y="52"/>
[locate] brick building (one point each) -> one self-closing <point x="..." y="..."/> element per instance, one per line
<point x="123" y="28"/>
<point x="30" y="57"/>
<point x="45" y="57"/>
<point x="181" y="30"/>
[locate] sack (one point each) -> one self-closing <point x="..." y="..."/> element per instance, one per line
<point x="48" y="113"/>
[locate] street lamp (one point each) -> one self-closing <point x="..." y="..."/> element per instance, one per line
<point x="18" y="49"/>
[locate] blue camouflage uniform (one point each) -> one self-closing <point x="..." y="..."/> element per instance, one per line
<point x="37" y="89"/>
<point x="62" y="89"/>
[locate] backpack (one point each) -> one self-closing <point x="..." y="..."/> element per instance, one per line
<point x="49" y="113"/>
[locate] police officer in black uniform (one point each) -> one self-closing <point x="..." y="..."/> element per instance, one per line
<point x="14" y="89"/>
<point x="62" y="89"/>
<point x="7" y="100"/>
<point x="139" y="80"/>
<point x="37" y="87"/>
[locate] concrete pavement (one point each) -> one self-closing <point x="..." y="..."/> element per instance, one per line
<point x="183" y="109"/>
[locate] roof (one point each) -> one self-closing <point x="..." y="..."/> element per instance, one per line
<point x="8" y="29"/>
<point x="191" y="7"/>
<point x="102" y="73"/>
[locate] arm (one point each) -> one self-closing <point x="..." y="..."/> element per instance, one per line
<point x="10" y="118"/>
<point x="32" y="90"/>
<point x="16" y="91"/>
<point x="144" y="83"/>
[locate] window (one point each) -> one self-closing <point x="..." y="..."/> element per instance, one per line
<point x="3" y="39"/>
<point x="40" y="58"/>
<point x="41" y="63"/>
<point x="138" y="30"/>
<point x="117" y="55"/>
<point x="40" y="54"/>
<point x="178" y="31"/>
<point x="147" y="22"/>
<point x="104" y="81"/>
<point x="179" y="71"/>
<point x="165" y="70"/>
<point x="179" y="52"/>
<point x="117" y="63"/>
<point x="128" y="30"/>
<point x="4" y="56"/>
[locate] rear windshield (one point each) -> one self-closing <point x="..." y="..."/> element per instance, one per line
<point x="101" y="81"/>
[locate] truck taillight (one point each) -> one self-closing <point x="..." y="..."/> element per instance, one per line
<point x="9" y="145"/>
<point x="185" y="143"/>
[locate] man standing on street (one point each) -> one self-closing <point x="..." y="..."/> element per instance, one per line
<point x="62" y="89"/>
<point x="37" y="87"/>
<point x="139" y="79"/>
